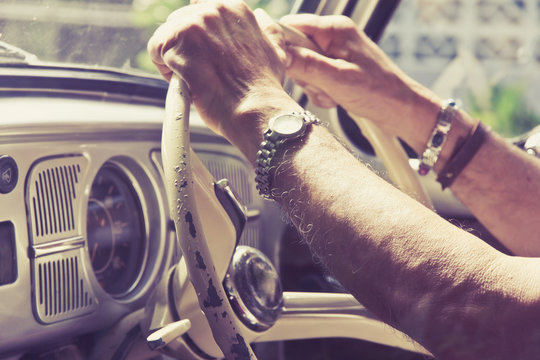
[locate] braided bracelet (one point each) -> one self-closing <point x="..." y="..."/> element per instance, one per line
<point x="463" y="155"/>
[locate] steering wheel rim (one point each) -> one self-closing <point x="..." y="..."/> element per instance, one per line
<point x="179" y="183"/>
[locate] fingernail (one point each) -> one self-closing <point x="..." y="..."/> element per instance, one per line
<point x="288" y="58"/>
<point x="343" y="53"/>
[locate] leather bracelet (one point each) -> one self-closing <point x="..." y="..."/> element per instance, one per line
<point x="462" y="156"/>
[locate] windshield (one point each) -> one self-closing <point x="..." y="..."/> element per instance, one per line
<point x="96" y="33"/>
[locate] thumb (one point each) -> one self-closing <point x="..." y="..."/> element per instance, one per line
<point x="274" y="33"/>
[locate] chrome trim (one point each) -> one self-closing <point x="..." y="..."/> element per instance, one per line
<point x="323" y="315"/>
<point x="54" y="247"/>
<point x="254" y="289"/>
<point x="81" y="132"/>
<point x="253" y="214"/>
<point x="323" y="303"/>
<point x="87" y="93"/>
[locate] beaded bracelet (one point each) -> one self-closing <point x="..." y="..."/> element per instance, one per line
<point x="438" y="137"/>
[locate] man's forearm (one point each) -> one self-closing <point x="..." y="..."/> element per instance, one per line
<point x="441" y="285"/>
<point x="499" y="185"/>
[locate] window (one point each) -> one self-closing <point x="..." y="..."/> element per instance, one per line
<point x="485" y="53"/>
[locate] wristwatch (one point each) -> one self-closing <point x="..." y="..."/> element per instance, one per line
<point x="282" y="129"/>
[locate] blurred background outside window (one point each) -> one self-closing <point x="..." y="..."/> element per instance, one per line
<point x="484" y="52"/>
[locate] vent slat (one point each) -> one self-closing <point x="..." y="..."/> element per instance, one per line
<point x="35" y="215"/>
<point x="37" y="210"/>
<point x="60" y="200"/>
<point x="59" y="298"/>
<point x="67" y="197"/>
<point x="40" y="270"/>
<point x="55" y="288"/>
<point x="58" y="222"/>
<point x="68" y="286"/>
<point x="48" y="204"/>
<point x="48" y="289"/>
<point x="54" y="226"/>
<point x="72" y="181"/>
<point x="63" y="198"/>
<point x="64" y="294"/>
<point x="73" y="281"/>
<point x="77" y="303"/>
<point x="43" y="206"/>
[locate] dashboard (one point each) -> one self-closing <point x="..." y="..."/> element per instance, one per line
<point x="85" y="235"/>
<point x="84" y="231"/>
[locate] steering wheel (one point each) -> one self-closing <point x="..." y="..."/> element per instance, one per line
<point x="207" y="238"/>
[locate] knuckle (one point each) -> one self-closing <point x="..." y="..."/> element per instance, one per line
<point x="196" y="28"/>
<point x="311" y="64"/>
<point x="344" y="25"/>
<point x="205" y="21"/>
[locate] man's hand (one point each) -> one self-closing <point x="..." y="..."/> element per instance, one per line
<point x="231" y="68"/>
<point x="352" y="71"/>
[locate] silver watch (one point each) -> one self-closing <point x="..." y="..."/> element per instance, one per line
<point x="281" y="129"/>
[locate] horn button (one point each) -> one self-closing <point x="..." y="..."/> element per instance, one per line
<point x="254" y="288"/>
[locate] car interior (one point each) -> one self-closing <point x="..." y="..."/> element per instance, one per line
<point x="93" y="260"/>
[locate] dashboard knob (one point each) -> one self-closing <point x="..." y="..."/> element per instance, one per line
<point x="9" y="174"/>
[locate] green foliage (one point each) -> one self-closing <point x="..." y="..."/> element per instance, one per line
<point x="508" y="112"/>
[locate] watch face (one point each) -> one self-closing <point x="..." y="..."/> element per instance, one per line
<point x="288" y="125"/>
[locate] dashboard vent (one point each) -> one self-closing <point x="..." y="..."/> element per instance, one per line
<point x="54" y="190"/>
<point x="62" y="290"/>
<point x="53" y="202"/>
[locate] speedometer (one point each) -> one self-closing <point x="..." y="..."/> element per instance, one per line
<point x="115" y="231"/>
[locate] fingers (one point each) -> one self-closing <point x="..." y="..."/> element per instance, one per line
<point x="309" y="24"/>
<point x="317" y="28"/>
<point x="314" y="68"/>
<point x="314" y="72"/>
<point x="334" y="35"/>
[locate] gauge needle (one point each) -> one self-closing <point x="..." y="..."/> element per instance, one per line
<point x="94" y="250"/>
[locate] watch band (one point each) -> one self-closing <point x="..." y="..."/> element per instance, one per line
<point x="272" y="141"/>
